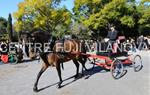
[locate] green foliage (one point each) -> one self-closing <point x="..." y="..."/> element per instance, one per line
<point x="144" y="21"/>
<point x="80" y="30"/>
<point x="127" y="20"/>
<point x="41" y="14"/>
<point x="9" y="27"/>
<point x="3" y="25"/>
<point x="126" y="15"/>
<point x="61" y="31"/>
<point x="129" y="17"/>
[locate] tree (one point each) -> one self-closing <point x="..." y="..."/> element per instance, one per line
<point x="97" y="15"/>
<point x="144" y="21"/>
<point x="3" y="27"/>
<point x="80" y="30"/>
<point x="41" y="14"/>
<point x="9" y="27"/>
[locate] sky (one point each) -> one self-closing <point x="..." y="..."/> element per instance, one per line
<point x="10" y="6"/>
<point x="68" y="3"/>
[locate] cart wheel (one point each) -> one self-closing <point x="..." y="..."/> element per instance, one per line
<point x="117" y="69"/>
<point x="92" y="61"/>
<point x="137" y="63"/>
<point x="15" y="59"/>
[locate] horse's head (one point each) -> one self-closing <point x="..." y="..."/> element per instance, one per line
<point x="43" y="37"/>
<point x="26" y="37"/>
<point x="40" y="36"/>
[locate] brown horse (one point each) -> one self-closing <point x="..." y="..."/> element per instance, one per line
<point x="71" y="51"/>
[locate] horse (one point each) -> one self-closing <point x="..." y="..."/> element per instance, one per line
<point x="74" y="49"/>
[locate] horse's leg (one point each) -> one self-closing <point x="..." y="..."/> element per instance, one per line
<point x="59" y="74"/>
<point x="44" y="67"/>
<point x="83" y="60"/>
<point x="83" y="65"/>
<point x="77" y="66"/>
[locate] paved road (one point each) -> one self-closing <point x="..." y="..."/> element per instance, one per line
<point x="19" y="80"/>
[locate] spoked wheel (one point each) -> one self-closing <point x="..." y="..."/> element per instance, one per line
<point x="137" y="63"/>
<point x="117" y="69"/>
<point x="92" y="61"/>
<point x="13" y="59"/>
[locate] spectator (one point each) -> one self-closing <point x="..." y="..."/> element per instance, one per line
<point x="139" y="42"/>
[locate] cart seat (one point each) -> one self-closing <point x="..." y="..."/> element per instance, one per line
<point x="112" y="55"/>
<point x="121" y="58"/>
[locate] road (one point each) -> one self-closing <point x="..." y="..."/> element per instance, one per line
<point x="19" y="79"/>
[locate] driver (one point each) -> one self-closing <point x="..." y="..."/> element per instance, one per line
<point x="112" y="37"/>
<point x="112" y="34"/>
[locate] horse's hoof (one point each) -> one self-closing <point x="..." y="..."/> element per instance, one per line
<point x="76" y="76"/>
<point x="82" y="75"/>
<point x="59" y="86"/>
<point x="35" y="89"/>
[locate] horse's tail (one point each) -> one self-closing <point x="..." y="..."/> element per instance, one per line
<point x="84" y="50"/>
<point x="62" y="65"/>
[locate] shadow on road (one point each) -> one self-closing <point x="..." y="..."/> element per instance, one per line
<point x="29" y="60"/>
<point x="86" y="75"/>
<point x="94" y="70"/>
<point x="57" y="83"/>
